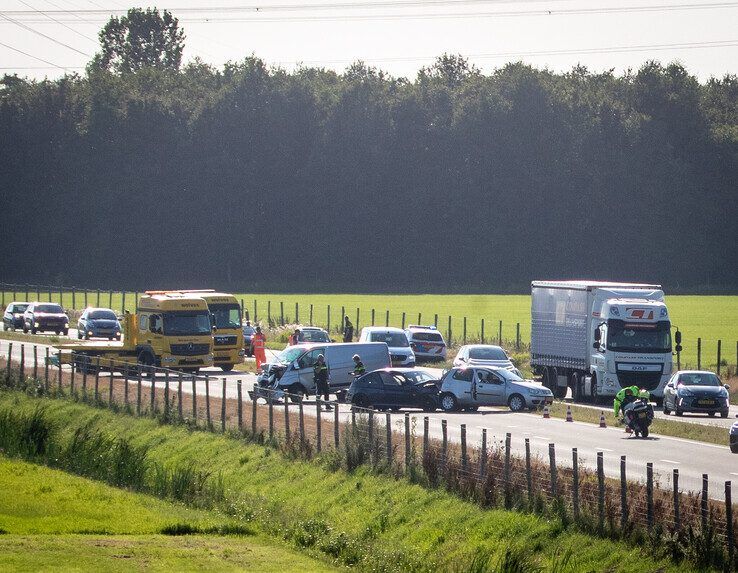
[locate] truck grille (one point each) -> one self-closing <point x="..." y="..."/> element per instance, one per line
<point x="190" y="349"/>
<point x="224" y="340"/>
<point x="646" y="380"/>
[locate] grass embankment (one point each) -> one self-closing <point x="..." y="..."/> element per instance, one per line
<point x="372" y="521"/>
<point x="52" y="520"/>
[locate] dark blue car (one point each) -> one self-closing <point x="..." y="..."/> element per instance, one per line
<point x="98" y="323"/>
<point x="394" y="388"/>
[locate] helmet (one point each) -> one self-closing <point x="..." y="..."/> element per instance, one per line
<point x="321" y="357"/>
<point x="357" y="357"/>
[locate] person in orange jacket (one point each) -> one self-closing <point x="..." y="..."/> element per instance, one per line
<point x="258" y="341"/>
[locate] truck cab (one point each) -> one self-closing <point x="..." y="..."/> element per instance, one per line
<point x="228" y="345"/>
<point x="631" y="346"/>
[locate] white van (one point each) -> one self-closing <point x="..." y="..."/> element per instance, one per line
<point x="395" y="338"/>
<point x="292" y="369"/>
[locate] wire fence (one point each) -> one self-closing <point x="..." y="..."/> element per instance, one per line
<point x="489" y="471"/>
<point x="698" y="352"/>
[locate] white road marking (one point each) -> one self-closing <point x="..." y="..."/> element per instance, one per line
<point x="670" y="461"/>
<point x="541" y="437"/>
<point x="604" y="450"/>
<point x="733" y="474"/>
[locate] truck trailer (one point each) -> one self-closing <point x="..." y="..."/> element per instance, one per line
<point x="598" y="337"/>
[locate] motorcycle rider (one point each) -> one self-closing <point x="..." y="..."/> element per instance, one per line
<point x="624" y="397"/>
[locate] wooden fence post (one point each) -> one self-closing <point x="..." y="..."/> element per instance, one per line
<point x="649" y="494"/>
<point x="302" y="423"/>
<point x="318" y="424"/>
<point x="699" y="353"/>
<point x="8" y="363"/>
<point x="600" y="492"/>
<point x="720" y="343"/>
<point x="207" y="403"/>
<point x="223" y="408"/>
<point x="703" y="502"/>
<point x="372" y="317"/>
<point x="463" y="446"/>
<point x="676" y="499"/>
<point x="123" y="302"/>
<point x="386" y="318"/>
<point x="269" y="312"/>
<point x="110" y="381"/>
<point x="179" y="396"/>
<point x="356" y="326"/>
<point x="554" y="476"/>
<point x="623" y="496"/>
<point x="464" y="332"/>
<point x="448" y="337"/>
<point x="729" y="522"/>
<point x="281" y="313"/>
<point x="388" y="442"/>
<point x="528" y="475"/>
<point x="372" y="452"/>
<point x="575" y="482"/>
<point x="483" y="454"/>
<point x="444" y="443"/>
<point x="240" y="406"/>
<point x="98" y="298"/>
<point x="58" y="370"/>
<point x="311" y="315"/>
<point x="71" y="374"/>
<point x="254" y="411"/>
<point x="125" y="389"/>
<point x="138" y="391"/>
<point x="328" y="318"/>
<point x="482" y="332"/>
<point x="286" y="418"/>
<point x="84" y="377"/>
<point x="256" y="314"/>
<point x="499" y="337"/>
<point x="426" y="436"/>
<point x="35" y="363"/>
<point x="408" y="451"/>
<point x="297" y="312"/>
<point x="193" y="381"/>
<point x="517" y="336"/>
<point x="336" y="428"/>
<point x="97" y="379"/>
<point x="270" y="407"/>
<point x="403" y="321"/>
<point x="166" y="394"/>
<point x="508" y="480"/>
<point x="22" y="368"/>
<point x="46" y="370"/>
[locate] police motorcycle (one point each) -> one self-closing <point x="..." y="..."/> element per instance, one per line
<point x="638" y="415"/>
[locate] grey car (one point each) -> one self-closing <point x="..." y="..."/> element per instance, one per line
<point x="13" y="316"/>
<point x="470" y="388"/>
<point x="734" y="438"/>
<point x="98" y="323"/>
<point x="697" y="391"/>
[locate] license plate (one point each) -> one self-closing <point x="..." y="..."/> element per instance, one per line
<point x="642" y="415"/>
<point x="705" y="402"/>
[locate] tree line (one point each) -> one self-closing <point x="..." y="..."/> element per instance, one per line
<point x="258" y="178"/>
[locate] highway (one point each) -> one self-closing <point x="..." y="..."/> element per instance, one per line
<point x="666" y="453"/>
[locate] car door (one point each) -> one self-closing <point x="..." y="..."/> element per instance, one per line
<point x="489" y="388"/>
<point x="394" y="393"/>
<point x="461" y="385"/>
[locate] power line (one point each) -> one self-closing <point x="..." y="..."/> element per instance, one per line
<point x="22" y="25"/>
<point x="59" y="22"/>
<point x="34" y="57"/>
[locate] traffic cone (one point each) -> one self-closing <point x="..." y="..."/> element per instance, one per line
<point x="546" y="413"/>
<point x="568" y="414"/>
<point x="602" y="420"/>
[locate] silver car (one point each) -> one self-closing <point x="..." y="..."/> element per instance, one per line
<point x="483" y="355"/>
<point x="470" y="388"/>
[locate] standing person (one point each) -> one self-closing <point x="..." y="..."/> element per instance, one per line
<point x="257" y="347"/>
<point x="359" y="369"/>
<point x="320" y="377"/>
<point x="348" y="331"/>
<point x="295" y="337"/>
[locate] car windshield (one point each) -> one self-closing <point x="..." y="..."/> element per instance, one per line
<point x="20" y="308"/>
<point x="313" y="336"/>
<point x="489" y="353"/>
<point x="288" y="355"/>
<point x="226" y="315"/>
<point x="429" y="336"/>
<point x="418" y="376"/>
<point x="508" y="375"/>
<point x="187" y="323"/>
<point x="392" y="339"/>
<point x="634" y="337"/>
<point x="102" y="315"/>
<point x="699" y="379"/>
<point x="50" y="308"/>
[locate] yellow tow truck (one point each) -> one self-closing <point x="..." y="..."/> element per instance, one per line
<point x="171" y="330"/>
<point x="228" y="346"/>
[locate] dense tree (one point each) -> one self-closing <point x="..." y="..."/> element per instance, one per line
<point x="251" y="177"/>
<point x="140" y="39"/>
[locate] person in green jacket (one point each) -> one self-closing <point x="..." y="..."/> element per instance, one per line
<point x="625" y="396"/>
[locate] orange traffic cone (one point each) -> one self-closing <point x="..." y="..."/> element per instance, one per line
<point x="568" y="414"/>
<point x="546" y="413"/>
<point x="602" y="420"/>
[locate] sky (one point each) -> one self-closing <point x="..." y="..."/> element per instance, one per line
<point x="48" y="38"/>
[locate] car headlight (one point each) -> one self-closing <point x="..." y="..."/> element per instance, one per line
<point x="89" y="332"/>
<point x="685" y="392"/>
<point x="66" y="325"/>
<point x="723" y="393"/>
<point x="36" y="324"/>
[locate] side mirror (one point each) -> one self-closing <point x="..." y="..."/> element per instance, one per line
<point x="727" y="387"/>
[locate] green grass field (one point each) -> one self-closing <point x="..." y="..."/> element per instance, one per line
<point x="54" y="521"/>
<point x="376" y="522"/>
<point x="710" y="318"/>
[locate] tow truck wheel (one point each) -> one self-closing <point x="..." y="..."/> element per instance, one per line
<point x="65" y="332"/>
<point x="227" y="367"/>
<point x="147" y="362"/>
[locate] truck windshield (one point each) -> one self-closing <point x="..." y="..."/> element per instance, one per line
<point x="187" y="323"/>
<point x="226" y="315"/>
<point x="634" y="337"/>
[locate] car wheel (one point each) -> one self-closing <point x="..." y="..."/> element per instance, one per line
<point x="65" y="332"/>
<point x="449" y="402"/>
<point x="734" y="448"/>
<point x="227" y="367"/>
<point x="665" y="409"/>
<point x="297" y="393"/>
<point x="711" y="414"/>
<point x="678" y="411"/>
<point x="79" y="334"/>
<point x="724" y="414"/>
<point x="428" y="405"/>
<point x="516" y="403"/>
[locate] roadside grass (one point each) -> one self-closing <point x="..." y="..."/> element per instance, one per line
<point x="700" y="432"/>
<point x="710" y="318"/>
<point x="359" y="518"/>
<point x="32" y="338"/>
<point x="52" y="520"/>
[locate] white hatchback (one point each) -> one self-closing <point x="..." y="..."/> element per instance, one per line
<point x="395" y="339"/>
<point x="483" y="355"/>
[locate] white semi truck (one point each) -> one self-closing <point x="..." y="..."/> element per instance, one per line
<point x="598" y="337"/>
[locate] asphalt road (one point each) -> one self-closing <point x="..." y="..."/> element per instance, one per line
<point x="692" y="458"/>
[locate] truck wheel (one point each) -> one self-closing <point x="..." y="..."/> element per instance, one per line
<point x="560" y="392"/>
<point x="593" y="390"/>
<point x="549" y="377"/>
<point x="147" y="363"/>
<point x="516" y="403"/>
<point x="576" y="389"/>
<point x="227" y="367"/>
<point x="449" y="402"/>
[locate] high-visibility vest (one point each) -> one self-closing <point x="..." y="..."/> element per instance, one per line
<point x="259" y="339"/>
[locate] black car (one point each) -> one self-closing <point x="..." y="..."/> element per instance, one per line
<point x="696" y="391"/>
<point x="13" y="317"/>
<point x="45" y="316"/>
<point x="394" y="388"/>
